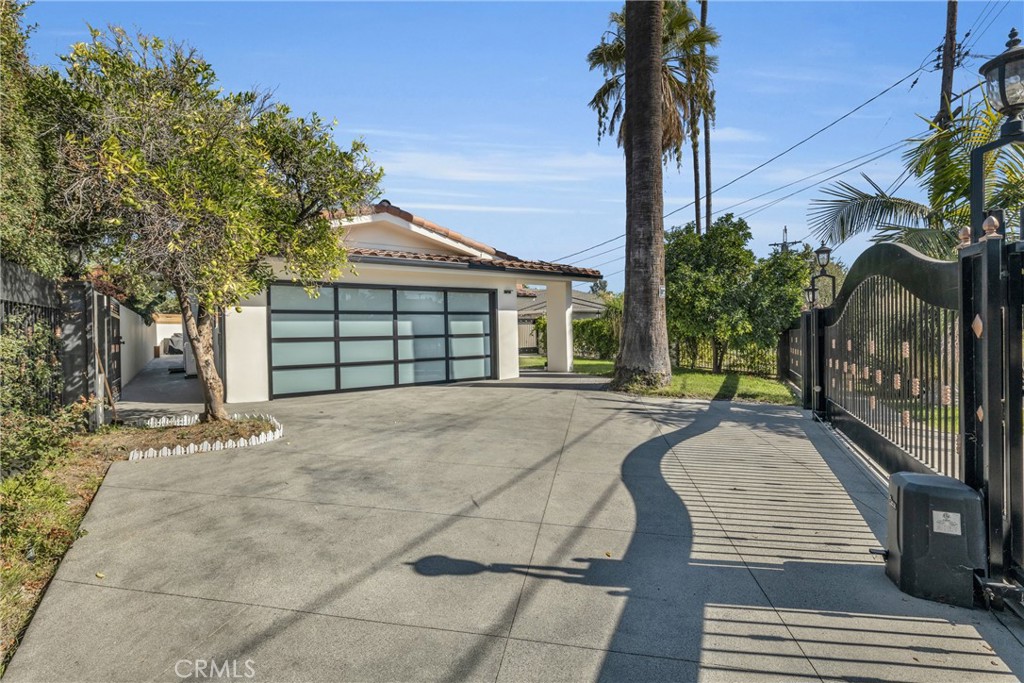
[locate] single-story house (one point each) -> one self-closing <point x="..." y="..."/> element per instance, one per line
<point x="424" y="305"/>
<point x="533" y="303"/>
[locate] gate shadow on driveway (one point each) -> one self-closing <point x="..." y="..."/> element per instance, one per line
<point x="768" y="573"/>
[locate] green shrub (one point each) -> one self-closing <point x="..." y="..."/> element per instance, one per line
<point x="594" y="338"/>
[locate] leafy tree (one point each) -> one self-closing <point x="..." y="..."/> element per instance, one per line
<point x="707" y="278"/>
<point x="685" y="81"/>
<point x="27" y="235"/>
<point x="775" y="296"/>
<point x="181" y="186"/>
<point x="643" y="359"/>
<point x="599" y="287"/>
<point x="940" y="163"/>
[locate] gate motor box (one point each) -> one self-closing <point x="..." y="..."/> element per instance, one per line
<point x="936" y="537"/>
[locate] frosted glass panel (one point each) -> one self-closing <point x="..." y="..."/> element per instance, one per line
<point x="469" y="302"/>
<point x="420" y="325"/>
<point x="296" y="297"/>
<point x="416" y="373"/>
<point x="303" y="353"/>
<point x="356" y="351"/>
<point x="429" y="347"/>
<point x="469" y="324"/>
<point x="415" y="300"/>
<point x="471" y="369"/>
<point x="471" y="346"/>
<point x="367" y="376"/>
<point x="301" y="325"/>
<point x="364" y="325"/>
<point x="364" y="299"/>
<point x="298" y="381"/>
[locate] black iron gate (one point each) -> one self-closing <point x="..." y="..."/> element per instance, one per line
<point x="920" y="362"/>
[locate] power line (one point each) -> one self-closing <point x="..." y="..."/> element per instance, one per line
<point x="583" y="251"/>
<point x="808" y="177"/>
<point x="600" y="253"/>
<point x="772" y="203"/>
<point x="808" y="138"/>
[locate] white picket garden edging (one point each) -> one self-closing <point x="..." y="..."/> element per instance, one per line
<point x="205" y="446"/>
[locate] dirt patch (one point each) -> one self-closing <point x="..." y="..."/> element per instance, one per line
<point x="116" y="443"/>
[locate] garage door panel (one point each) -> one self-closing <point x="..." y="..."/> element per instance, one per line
<point x="303" y="353"/>
<point x="469" y="324"/>
<point x="420" y="300"/>
<point x="296" y="298"/>
<point x="305" y="380"/>
<point x="422" y="348"/>
<point x="469" y="302"/>
<point x="366" y="350"/>
<point x="285" y="325"/>
<point x="420" y="325"/>
<point x="366" y="376"/>
<point x="470" y="368"/>
<point x="365" y="324"/>
<point x="422" y="372"/>
<point x="470" y="346"/>
<point x="359" y="299"/>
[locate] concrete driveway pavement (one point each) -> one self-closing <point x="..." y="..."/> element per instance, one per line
<point x="540" y="529"/>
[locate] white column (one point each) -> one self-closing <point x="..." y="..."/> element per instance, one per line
<point x="559" y="314"/>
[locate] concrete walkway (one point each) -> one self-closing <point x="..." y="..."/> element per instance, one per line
<point x="539" y="529"/>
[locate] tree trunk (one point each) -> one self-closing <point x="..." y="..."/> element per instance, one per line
<point x="707" y="131"/>
<point x="643" y="359"/>
<point x="695" y="147"/>
<point x="717" y="353"/>
<point x="200" y="336"/>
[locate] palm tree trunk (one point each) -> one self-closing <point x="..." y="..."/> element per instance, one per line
<point x="695" y="147"/>
<point x="643" y="359"/>
<point x="707" y="131"/>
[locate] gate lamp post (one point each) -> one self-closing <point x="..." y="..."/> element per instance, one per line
<point x="811" y="295"/>
<point x="823" y="255"/>
<point x="1004" y="89"/>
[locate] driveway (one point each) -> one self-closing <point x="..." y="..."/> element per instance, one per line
<point x="539" y="529"/>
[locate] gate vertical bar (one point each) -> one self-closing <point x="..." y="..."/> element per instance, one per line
<point x="1014" y="362"/>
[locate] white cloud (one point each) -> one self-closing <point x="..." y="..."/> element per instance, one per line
<point x="500" y="167"/>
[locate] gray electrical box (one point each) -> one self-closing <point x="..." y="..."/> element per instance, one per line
<point x="936" y="537"/>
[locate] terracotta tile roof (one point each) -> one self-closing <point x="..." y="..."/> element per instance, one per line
<point x="389" y="208"/>
<point x="359" y="254"/>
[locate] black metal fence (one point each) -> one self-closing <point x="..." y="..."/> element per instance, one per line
<point x="698" y="354"/>
<point x="30" y="320"/>
<point x="921" y="363"/>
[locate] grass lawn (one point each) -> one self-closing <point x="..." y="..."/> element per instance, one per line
<point x="692" y="383"/>
<point x="42" y="507"/>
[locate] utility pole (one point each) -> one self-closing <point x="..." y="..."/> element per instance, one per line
<point x="949" y="58"/>
<point x="784" y="244"/>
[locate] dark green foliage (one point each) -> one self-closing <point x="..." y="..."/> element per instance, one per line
<point x="719" y="293"/>
<point x="594" y="338"/>
<point x="27" y="233"/>
<point x="34" y="424"/>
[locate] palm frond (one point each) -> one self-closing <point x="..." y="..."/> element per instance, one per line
<point x="851" y="211"/>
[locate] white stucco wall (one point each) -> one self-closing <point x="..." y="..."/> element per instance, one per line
<point x="137" y="349"/>
<point x="245" y="352"/>
<point x="164" y="331"/>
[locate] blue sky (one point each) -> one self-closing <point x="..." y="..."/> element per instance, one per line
<point x="477" y="111"/>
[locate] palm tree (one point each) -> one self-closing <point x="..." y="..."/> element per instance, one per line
<point x="940" y="162"/>
<point x="708" y="116"/>
<point x="685" y="87"/>
<point x="643" y="358"/>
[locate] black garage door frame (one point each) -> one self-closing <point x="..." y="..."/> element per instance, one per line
<point x="334" y="291"/>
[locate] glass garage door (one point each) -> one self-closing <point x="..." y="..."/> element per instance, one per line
<point x="354" y="337"/>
